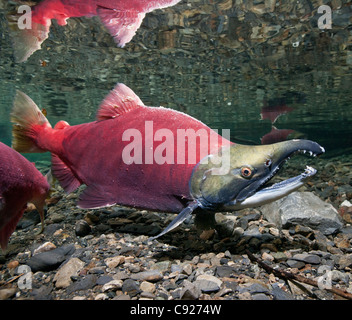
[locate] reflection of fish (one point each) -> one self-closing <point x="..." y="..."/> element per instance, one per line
<point x="20" y="182"/>
<point x="277" y="135"/>
<point x="273" y="109"/>
<point x="116" y="158"/>
<point x="121" y="17"/>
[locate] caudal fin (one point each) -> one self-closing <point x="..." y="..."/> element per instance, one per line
<point x="27" y="121"/>
<point x="26" y="39"/>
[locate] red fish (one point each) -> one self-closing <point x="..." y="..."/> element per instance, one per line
<point x="20" y="182"/>
<point x="154" y="158"/>
<point x="276" y="135"/>
<point x="274" y="109"/>
<point x="80" y="152"/>
<point x="122" y="18"/>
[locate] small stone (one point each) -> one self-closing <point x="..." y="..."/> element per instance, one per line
<point x="47" y="246"/>
<point x="150" y="275"/>
<point x="279" y="256"/>
<point x="190" y="291"/>
<point x="13" y="264"/>
<point x="225" y="271"/>
<point x="7" y="293"/>
<point x="267" y="256"/>
<point x="130" y="287"/>
<point x="62" y="278"/>
<point x="162" y="266"/>
<point x="82" y="228"/>
<point x="88" y="282"/>
<point x="112" y="285"/>
<point x="147" y="286"/>
<point x="101" y="296"/>
<point x="345" y="261"/>
<point x="207" y="234"/>
<point x="307" y="258"/>
<point x="187" y="269"/>
<point x="295" y="264"/>
<point x="208" y="283"/>
<point x="113" y="262"/>
<point x="50" y="260"/>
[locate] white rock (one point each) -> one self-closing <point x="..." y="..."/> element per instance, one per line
<point x="112" y="285"/>
<point x="62" y="278"/>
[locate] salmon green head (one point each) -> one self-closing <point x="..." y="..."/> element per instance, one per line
<point x="238" y="172"/>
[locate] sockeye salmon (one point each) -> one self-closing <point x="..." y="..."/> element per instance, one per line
<point x="154" y="158"/>
<point x="20" y="183"/>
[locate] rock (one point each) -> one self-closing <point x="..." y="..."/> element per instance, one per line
<point x="150" y="275"/>
<point x="208" y="283"/>
<point x="7" y="293"/>
<point x="295" y="264"/>
<point x="162" y="266"/>
<point x="224" y="271"/>
<point x="147" y="286"/>
<point x="82" y="228"/>
<point x="50" y="260"/>
<point x="115" y="261"/>
<point x="101" y="296"/>
<point x="303" y="208"/>
<point x="280" y="294"/>
<point x="190" y="291"/>
<point x="187" y="269"/>
<point x="87" y="282"/>
<point x="47" y="246"/>
<point x="130" y="287"/>
<point x="112" y="285"/>
<point x="307" y="258"/>
<point x="62" y="278"/>
<point x="345" y="261"/>
<point x="13" y="264"/>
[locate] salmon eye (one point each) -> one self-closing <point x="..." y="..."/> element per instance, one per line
<point x="246" y="172"/>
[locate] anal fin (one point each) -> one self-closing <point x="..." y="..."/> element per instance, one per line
<point x="93" y="198"/>
<point x="64" y="174"/>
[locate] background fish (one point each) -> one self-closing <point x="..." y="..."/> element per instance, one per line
<point x="20" y="182"/>
<point x="122" y="19"/>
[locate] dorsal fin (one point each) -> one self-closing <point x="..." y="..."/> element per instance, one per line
<point x="119" y="101"/>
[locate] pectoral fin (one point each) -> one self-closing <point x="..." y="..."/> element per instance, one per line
<point x="182" y="216"/>
<point x="122" y="25"/>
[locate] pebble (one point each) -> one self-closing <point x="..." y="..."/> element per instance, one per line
<point x="208" y="283"/>
<point x="150" y="275"/>
<point x="112" y="285"/>
<point x="63" y="276"/>
<point x="7" y="293"/>
<point x="50" y="260"/>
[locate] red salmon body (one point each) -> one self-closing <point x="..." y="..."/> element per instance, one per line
<point x="20" y="182"/>
<point x="132" y="155"/>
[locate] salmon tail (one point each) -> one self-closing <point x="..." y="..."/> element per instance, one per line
<point x="26" y="39"/>
<point x="27" y="121"/>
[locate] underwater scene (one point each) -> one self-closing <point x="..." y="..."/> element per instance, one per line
<point x="176" y="150"/>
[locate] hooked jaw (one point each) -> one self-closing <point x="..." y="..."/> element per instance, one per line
<point x="251" y="167"/>
<point x="244" y="183"/>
